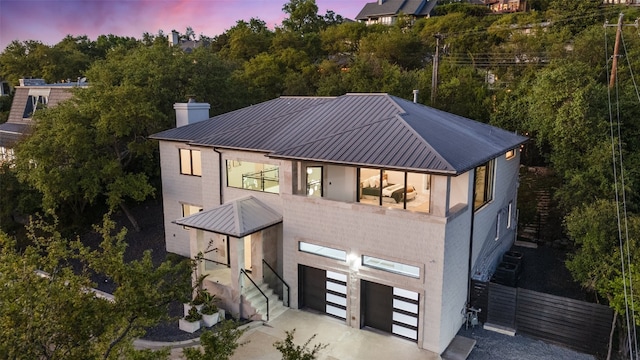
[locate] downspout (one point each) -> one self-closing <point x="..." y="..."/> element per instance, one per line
<point x="219" y="172"/>
<point x="473" y="212"/>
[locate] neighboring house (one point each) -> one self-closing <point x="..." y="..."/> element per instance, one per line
<point x="31" y="95"/>
<point x="622" y="2"/>
<point x="501" y="6"/>
<point x="373" y="209"/>
<point x="5" y="88"/>
<point x="187" y="45"/>
<point x="387" y="11"/>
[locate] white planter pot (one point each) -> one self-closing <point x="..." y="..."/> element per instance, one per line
<point x="210" y="320"/>
<point x="189" y="326"/>
<point x="222" y="314"/>
<point x="198" y="307"/>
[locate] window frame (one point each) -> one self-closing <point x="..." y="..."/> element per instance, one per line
<point x="190" y="171"/>
<point x="394" y="270"/>
<point x="488" y="185"/>
<point x="258" y="176"/>
<point x="321" y="183"/>
<point x="320" y="248"/>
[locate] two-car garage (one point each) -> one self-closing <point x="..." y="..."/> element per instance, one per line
<point x="386" y="308"/>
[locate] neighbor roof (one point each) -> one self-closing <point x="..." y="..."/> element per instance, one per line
<point x="394" y="7"/>
<point x="237" y="218"/>
<point x="374" y="130"/>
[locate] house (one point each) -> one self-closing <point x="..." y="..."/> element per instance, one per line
<point x="622" y="2"/>
<point x="186" y="45"/>
<point x="503" y="6"/>
<point x="369" y="208"/>
<point x="31" y="95"/>
<point x="387" y="11"/>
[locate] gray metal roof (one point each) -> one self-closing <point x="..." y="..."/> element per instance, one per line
<point x="375" y="130"/>
<point x="394" y="7"/>
<point x="11" y="133"/>
<point x="238" y="218"/>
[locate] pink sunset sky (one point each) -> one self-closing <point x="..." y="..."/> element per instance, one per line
<point x="49" y="21"/>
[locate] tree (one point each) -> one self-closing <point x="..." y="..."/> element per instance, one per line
<point x="48" y="312"/>
<point x="291" y="351"/>
<point x="217" y="344"/>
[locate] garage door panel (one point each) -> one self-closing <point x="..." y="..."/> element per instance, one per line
<point x="324" y="291"/>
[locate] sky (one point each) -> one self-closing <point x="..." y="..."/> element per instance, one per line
<point x="49" y="21"/>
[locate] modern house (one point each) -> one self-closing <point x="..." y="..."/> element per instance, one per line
<point x="387" y="11"/>
<point x="368" y="208"/>
<point x="31" y="95"/>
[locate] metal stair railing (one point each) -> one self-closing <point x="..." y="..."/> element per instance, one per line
<point x="241" y="283"/>
<point x="281" y="286"/>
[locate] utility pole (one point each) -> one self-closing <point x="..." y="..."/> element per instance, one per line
<point x="434" y="75"/>
<point x="616" y="49"/>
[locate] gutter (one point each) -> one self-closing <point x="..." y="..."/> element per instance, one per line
<point x="473" y="212"/>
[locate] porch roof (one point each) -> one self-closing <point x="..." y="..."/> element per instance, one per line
<point x="237" y="218"/>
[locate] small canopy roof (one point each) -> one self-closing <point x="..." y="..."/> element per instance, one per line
<point x="237" y="218"/>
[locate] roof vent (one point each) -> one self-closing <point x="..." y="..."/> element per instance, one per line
<point x="415" y="95"/>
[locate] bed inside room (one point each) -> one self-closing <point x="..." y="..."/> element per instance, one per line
<point x="395" y="189"/>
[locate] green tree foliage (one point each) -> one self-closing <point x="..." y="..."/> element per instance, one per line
<point x="291" y="351"/>
<point x="55" y="316"/>
<point x="218" y="344"/>
<point x="596" y="263"/>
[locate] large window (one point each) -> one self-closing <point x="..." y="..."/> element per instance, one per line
<point x="190" y="162"/>
<point x="484" y="185"/>
<point x="253" y="176"/>
<point x="314" y="181"/>
<point x="391" y="266"/>
<point x="322" y="251"/>
<point x="395" y="189"/>
<point x="34" y="102"/>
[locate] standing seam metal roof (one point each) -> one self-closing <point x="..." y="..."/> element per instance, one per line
<point x="375" y="130"/>
<point x="394" y="7"/>
<point x="237" y="218"/>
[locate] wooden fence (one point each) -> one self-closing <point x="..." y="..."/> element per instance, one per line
<point x="572" y="323"/>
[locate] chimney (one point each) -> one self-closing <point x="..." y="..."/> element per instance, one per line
<point x="380" y="2"/>
<point x="191" y="112"/>
<point x="175" y="38"/>
<point x="415" y="96"/>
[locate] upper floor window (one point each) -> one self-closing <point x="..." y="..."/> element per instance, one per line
<point x="314" y="181"/>
<point x="395" y="189"/>
<point x="253" y="176"/>
<point x="190" y="162"/>
<point x="34" y="102"/>
<point x="190" y="209"/>
<point x="484" y="184"/>
<point x="510" y="154"/>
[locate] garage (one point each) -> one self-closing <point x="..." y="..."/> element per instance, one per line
<point x="389" y="309"/>
<point x="323" y="291"/>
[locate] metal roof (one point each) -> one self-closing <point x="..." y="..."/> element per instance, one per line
<point x="376" y="130"/>
<point x="11" y="133"/>
<point x="394" y="7"/>
<point x="237" y="218"/>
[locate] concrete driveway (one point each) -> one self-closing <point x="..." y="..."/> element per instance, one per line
<point x="344" y="342"/>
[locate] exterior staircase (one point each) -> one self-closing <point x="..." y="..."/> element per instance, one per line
<point x="533" y="231"/>
<point x="259" y="304"/>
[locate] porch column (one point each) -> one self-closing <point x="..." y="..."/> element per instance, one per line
<point x="236" y="255"/>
